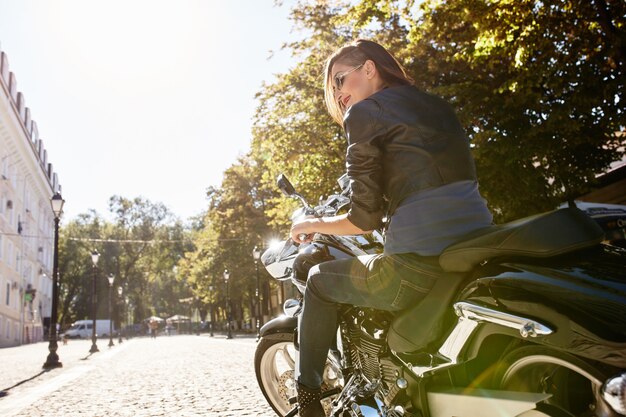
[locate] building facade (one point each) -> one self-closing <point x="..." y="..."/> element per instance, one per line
<point x="27" y="183"/>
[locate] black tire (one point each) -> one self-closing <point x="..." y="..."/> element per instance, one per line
<point x="573" y="382"/>
<point x="275" y="388"/>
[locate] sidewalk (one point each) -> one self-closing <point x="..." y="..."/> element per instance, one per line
<point x="26" y="361"/>
<point x="185" y="375"/>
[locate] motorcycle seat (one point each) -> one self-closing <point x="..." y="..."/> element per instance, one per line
<point x="539" y="236"/>
<point x="542" y="235"/>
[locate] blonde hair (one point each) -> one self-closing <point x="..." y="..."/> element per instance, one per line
<point x="354" y="54"/>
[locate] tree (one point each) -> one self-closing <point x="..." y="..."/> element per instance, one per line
<point x="235" y="222"/>
<point x="539" y="87"/>
<point x="140" y="247"/>
<point x="75" y="267"/>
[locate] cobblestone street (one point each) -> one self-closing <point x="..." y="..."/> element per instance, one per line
<point x="168" y="376"/>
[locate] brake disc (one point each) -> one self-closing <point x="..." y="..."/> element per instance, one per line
<point x="286" y="385"/>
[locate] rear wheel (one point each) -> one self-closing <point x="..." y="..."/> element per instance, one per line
<point x="573" y="383"/>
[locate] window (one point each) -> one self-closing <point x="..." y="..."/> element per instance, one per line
<point x="5" y="167"/>
<point x="8" y="328"/>
<point x="10" y="211"/>
<point x="8" y="296"/>
<point x="9" y="253"/>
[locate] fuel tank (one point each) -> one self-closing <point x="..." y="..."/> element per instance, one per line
<point x="582" y="295"/>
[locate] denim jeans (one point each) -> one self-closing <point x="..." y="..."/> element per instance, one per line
<point x="385" y="282"/>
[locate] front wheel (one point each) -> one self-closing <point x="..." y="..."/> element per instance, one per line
<point x="574" y="383"/>
<point x="274" y="365"/>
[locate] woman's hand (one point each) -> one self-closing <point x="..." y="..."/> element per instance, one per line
<point x="305" y="227"/>
<point x="337" y="225"/>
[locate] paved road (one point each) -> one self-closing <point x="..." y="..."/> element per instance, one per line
<point x="167" y="376"/>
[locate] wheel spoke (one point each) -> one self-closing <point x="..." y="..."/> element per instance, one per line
<point x="288" y="358"/>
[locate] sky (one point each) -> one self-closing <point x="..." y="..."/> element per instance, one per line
<point x="147" y="98"/>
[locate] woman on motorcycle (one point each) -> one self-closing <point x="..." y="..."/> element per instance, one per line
<point x="408" y="159"/>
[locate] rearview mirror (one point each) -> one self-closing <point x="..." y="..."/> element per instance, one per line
<point x="285" y="186"/>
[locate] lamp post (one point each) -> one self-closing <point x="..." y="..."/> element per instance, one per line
<point x="211" y="310"/>
<point x="256" y="254"/>
<point x="53" y="359"/>
<point x="111" y="278"/>
<point x="190" y="315"/>
<point x="94" y="306"/>
<point x="126" y="313"/>
<point x="198" y="318"/>
<point x="228" y="313"/>
<point x="120" y="290"/>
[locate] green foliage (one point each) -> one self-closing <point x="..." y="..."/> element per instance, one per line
<point x="140" y="247"/>
<point x="234" y="224"/>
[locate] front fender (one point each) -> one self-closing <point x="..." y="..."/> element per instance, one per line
<point x="280" y="324"/>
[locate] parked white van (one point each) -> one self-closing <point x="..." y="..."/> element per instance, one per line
<point x="83" y="329"/>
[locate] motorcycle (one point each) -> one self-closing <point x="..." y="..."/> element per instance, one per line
<point x="527" y="319"/>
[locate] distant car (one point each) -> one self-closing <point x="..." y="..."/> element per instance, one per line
<point x="84" y="328"/>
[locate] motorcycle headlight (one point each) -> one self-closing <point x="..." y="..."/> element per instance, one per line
<point x="278" y="259"/>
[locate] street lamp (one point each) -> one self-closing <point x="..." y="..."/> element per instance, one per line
<point x="53" y="359"/>
<point x="195" y="300"/>
<point x="211" y="309"/>
<point x="94" y="306"/>
<point x="126" y="313"/>
<point x="111" y="278"/>
<point x="256" y="254"/>
<point x="120" y="290"/>
<point x="228" y="313"/>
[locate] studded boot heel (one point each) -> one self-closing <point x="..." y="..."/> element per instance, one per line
<point x="309" y="402"/>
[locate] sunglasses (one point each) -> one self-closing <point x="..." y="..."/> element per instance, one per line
<point x="340" y="78"/>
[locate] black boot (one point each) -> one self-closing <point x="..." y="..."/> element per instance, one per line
<point x="309" y="402"/>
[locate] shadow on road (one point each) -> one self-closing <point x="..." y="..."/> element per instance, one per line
<point x="5" y="392"/>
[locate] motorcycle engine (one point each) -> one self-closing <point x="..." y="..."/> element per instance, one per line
<point x="367" y="334"/>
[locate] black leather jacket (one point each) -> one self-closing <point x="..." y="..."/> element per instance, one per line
<point x="401" y="141"/>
